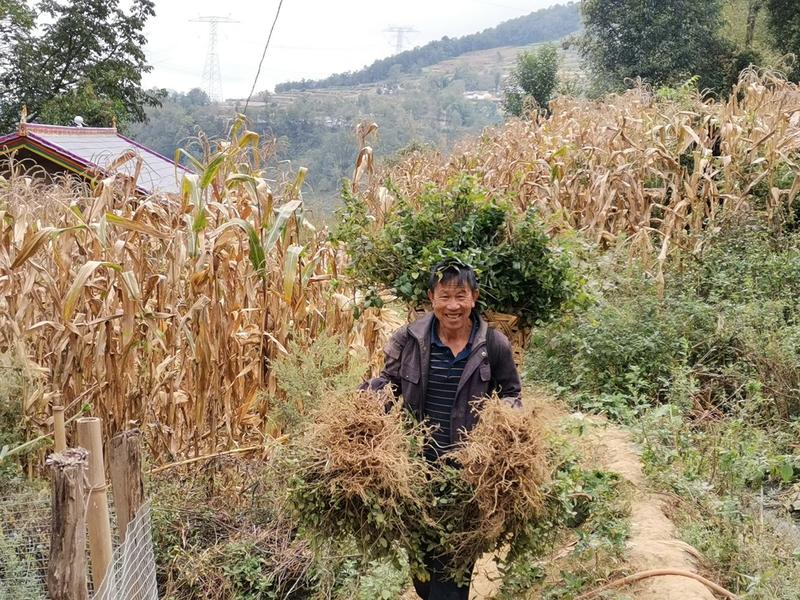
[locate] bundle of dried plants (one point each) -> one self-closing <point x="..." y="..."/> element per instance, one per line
<point x="359" y="472"/>
<point x="493" y="485"/>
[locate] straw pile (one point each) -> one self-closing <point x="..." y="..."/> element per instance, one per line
<point x="497" y="486"/>
<point x="359" y="472"/>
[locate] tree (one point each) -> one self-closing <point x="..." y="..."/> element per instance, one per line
<point x="784" y="21"/>
<point x="16" y="20"/>
<point x="661" y="41"/>
<point x="84" y="55"/>
<point x="532" y="80"/>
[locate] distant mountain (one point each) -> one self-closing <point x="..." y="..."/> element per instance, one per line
<point x="541" y="26"/>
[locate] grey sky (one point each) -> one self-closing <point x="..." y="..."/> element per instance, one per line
<point x="313" y="38"/>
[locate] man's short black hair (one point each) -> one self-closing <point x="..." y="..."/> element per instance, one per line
<point x="450" y="272"/>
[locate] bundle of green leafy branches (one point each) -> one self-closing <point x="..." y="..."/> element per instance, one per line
<point x="359" y="473"/>
<point x="519" y="270"/>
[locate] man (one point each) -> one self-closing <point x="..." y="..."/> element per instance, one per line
<point x="440" y="364"/>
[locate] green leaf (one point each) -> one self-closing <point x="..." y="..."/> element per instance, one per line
<point x="284" y="213"/>
<point x="290" y="270"/>
<point x="786" y="470"/>
<point x="257" y="257"/>
<point x="200" y="220"/>
<point x="198" y="166"/>
<point x="210" y="170"/>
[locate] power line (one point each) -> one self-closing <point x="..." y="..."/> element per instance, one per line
<point x="263" y="54"/>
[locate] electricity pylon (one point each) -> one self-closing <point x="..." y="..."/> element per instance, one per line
<point x="400" y="32"/>
<point x="212" y="74"/>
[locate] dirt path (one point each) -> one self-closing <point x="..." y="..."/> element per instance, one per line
<point x="652" y="543"/>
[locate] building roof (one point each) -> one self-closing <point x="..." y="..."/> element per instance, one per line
<point x="92" y="152"/>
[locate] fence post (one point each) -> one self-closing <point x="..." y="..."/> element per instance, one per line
<point x="66" y="571"/>
<point x="125" y="465"/>
<point x="58" y="426"/>
<point x="90" y="436"/>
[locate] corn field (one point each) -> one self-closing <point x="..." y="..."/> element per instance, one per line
<point x="653" y="172"/>
<point x="165" y="312"/>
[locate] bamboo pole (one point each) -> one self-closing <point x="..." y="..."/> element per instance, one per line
<point x="59" y="428"/>
<point x="195" y="459"/>
<point x="125" y="466"/>
<point x="90" y="436"/>
<point x="66" y="569"/>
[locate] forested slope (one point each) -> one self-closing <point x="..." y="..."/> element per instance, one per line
<point x="543" y="25"/>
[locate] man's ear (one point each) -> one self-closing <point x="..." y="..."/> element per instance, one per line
<point x="430" y="296"/>
<point x="475" y="295"/>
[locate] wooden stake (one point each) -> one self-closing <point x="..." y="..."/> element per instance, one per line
<point x="90" y="436"/>
<point x="125" y="465"/>
<point x="66" y="571"/>
<point x="59" y="429"/>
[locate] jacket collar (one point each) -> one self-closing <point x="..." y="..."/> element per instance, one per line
<point x="421" y="329"/>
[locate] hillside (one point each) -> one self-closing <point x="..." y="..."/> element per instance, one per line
<point x="434" y="95"/>
<point x="437" y="105"/>
<point x="544" y="25"/>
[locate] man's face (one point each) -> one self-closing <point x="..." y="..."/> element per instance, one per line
<point x="452" y="304"/>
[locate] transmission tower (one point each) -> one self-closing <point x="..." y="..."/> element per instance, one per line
<point x="212" y="74"/>
<point x="400" y="32"/>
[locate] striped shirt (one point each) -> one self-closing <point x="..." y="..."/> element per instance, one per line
<point x="444" y="374"/>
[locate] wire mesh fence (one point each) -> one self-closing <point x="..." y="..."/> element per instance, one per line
<point x="133" y="571"/>
<point x="24" y="546"/>
<point x="25" y="524"/>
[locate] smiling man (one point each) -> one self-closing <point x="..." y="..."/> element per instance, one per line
<point x="443" y="364"/>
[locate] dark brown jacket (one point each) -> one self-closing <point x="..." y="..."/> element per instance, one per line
<point x="407" y="358"/>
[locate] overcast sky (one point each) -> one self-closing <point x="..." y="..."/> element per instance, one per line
<point x="313" y="38"/>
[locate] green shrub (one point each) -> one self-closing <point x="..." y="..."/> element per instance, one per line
<point x="743" y="264"/>
<point x="729" y="474"/>
<point x="309" y="374"/>
<point x="532" y="81"/>
<point x="728" y="318"/>
<point x="12" y="383"/>
<point x="519" y="270"/>
<point x="19" y="573"/>
<point x="619" y="347"/>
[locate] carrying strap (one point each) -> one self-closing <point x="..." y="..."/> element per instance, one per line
<point x="491" y="348"/>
